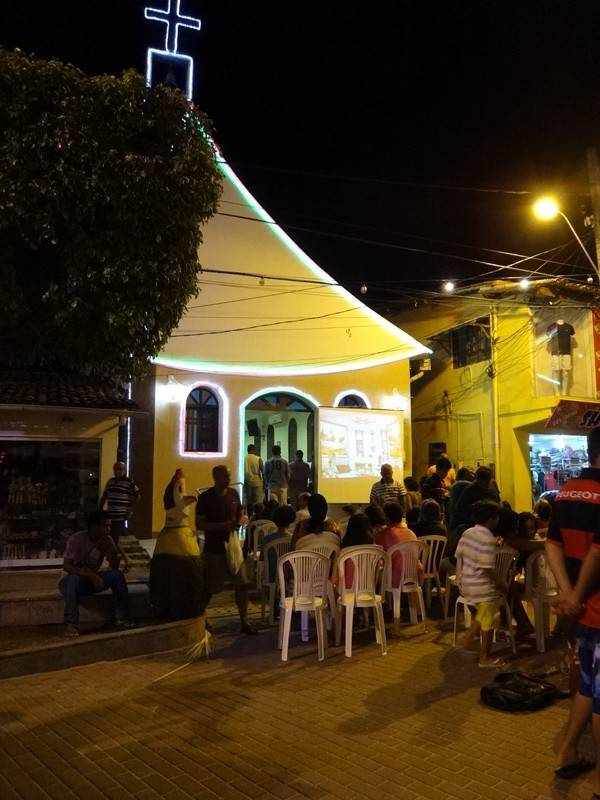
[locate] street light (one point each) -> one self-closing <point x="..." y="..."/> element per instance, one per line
<point x="547" y="209"/>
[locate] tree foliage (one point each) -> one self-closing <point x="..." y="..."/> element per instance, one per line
<point x="104" y="184"/>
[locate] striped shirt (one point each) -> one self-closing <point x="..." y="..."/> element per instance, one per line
<point x="382" y="493"/>
<point x="477" y="549"/>
<point x="575" y="527"/>
<point x="120" y="494"/>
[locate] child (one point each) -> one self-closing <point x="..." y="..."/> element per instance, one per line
<point x="478" y="584"/>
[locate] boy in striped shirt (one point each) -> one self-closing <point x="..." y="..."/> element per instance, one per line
<point x="478" y="584"/>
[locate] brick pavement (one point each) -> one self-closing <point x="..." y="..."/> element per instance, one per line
<point x="243" y="725"/>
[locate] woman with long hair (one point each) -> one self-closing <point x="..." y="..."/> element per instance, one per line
<point x="176" y="576"/>
<point x="318" y="528"/>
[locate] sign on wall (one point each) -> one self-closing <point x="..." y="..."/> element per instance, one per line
<point x="573" y="416"/>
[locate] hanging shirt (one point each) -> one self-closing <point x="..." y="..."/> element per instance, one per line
<point x="560" y="338"/>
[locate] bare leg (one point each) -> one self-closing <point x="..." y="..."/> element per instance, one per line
<point x="471" y="635"/>
<point x="485" y="646"/>
<point x="579" y="716"/>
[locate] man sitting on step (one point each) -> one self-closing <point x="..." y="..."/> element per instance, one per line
<point x="84" y="555"/>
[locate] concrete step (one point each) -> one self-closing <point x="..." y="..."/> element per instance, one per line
<point x="92" y="648"/>
<point x="46" y="607"/>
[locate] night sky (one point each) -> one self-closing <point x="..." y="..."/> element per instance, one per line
<point x="374" y="121"/>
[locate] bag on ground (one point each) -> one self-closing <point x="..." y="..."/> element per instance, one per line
<point x="516" y="691"/>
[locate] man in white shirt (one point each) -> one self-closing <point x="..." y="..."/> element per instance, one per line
<point x="253" y="478"/>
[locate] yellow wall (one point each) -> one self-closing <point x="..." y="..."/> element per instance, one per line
<point x="378" y="383"/>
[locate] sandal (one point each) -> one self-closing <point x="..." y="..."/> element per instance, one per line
<point x="497" y="663"/>
<point x="570" y="771"/>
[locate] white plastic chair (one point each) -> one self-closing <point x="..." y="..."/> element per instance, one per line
<point x="540" y="590"/>
<point x="256" y="531"/>
<point x="367" y="561"/>
<point x="309" y="577"/>
<point x="330" y="552"/>
<point x="505" y="566"/>
<point x="409" y="581"/>
<point x="281" y="546"/>
<point x="432" y="549"/>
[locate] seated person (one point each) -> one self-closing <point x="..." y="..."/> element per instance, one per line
<point x="430" y="520"/>
<point x="84" y="555"/>
<point x="302" y="512"/>
<point x="283" y="518"/>
<point x="358" y="533"/>
<point x="413" y="493"/>
<point x="318" y="528"/>
<point x="543" y="514"/>
<point x="514" y="530"/>
<point x="393" y="533"/>
<point x="376" y="517"/>
<point x="347" y="513"/>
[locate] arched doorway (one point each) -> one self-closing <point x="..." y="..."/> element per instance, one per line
<point x="280" y="417"/>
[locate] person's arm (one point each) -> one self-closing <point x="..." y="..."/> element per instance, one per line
<point x="70" y="568"/>
<point x="261" y="469"/>
<point x="202" y="524"/>
<point x="113" y="554"/>
<point x="589" y="576"/>
<point x="373" y="498"/>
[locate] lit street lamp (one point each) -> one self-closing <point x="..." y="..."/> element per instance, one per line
<point x="547" y="209"/>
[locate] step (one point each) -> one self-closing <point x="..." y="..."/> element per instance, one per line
<point x="46" y="607"/>
<point x="98" y="647"/>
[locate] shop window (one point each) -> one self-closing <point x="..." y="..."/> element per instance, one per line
<point x="202" y="421"/>
<point x="471" y="343"/>
<point x="351" y="401"/>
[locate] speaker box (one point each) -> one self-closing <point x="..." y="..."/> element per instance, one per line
<point x="253" y="428"/>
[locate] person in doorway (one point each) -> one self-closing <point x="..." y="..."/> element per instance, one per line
<point x="478" y="581"/>
<point x="176" y="574"/>
<point x="120" y="497"/>
<point x="253" y="478"/>
<point x="300" y="474"/>
<point x="387" y="490"/>
<point x="573" y="552"/>
<point x="482" y="488"/>
<point x="84" y="555"/>
<point x="277" y="476"/>
<point x="218" y="513"/>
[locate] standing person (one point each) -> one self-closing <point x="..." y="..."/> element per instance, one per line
<point x="478" y="581"/>
<point x="300" y="474"/>
<point x="84" y="555"/>
<point x="387" y="490"/>
<point x="450" y="477"/>
<point x="464" y="477"/>
<point x="434" y="486"/>
<point x="120" y="495"/>
<point x="218" y="513"/>
<point x="482" y="488"/>
<point x="573" y="552"/>
<point x="277" y="476"/>
<point x="176" y="577"/>
<point x="253" y="478"/>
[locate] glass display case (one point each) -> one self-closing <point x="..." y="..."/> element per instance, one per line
<point x="564" y="352"/>
<point x="46" y="489"/>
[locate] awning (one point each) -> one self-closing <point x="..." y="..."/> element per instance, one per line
<point x="574" y="416"/>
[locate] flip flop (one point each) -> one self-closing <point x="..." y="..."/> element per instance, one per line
<point x="570" y="771"/>
<point x="497" y="663"/>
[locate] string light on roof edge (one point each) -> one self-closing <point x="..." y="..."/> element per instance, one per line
<point x="524" y="284"/>
<point x="173" y="19"/>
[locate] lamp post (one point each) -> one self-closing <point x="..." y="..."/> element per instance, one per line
<point x="547" y="209"/>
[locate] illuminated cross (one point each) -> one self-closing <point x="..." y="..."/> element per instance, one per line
<point x="174" y="20"/>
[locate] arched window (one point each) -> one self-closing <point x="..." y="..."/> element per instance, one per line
<point x="292" y="439"/>
<point x="352" y="401"/>
<point x="202" y="421"/>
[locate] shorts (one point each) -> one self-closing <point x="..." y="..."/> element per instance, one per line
<point x="563" y="362"/>
<point x="588" y="649"/>
<point x="488" y="614"/>
<point x="217" y="573"/>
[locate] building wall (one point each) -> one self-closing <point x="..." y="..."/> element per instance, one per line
<point x="377" y="383"/>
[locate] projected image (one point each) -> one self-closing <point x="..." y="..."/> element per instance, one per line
<point x="354" y="444"/>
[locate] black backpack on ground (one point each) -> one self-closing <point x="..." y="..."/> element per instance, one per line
<point x="515" y="691"/>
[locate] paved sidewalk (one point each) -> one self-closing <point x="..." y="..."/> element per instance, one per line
<point x="406" y="726"/>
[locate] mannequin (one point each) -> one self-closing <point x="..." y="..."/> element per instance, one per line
<point x="560" y="335"/>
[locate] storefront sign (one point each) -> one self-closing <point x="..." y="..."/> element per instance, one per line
<point x="571" y="416"/>
<point x="596" y="326"/>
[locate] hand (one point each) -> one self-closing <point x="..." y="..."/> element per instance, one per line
<point x="567" y="605"/>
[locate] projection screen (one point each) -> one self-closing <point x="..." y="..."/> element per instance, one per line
<point x="353" y="444"/>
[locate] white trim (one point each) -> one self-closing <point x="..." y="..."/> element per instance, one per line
<point x="356" y="392"/>
<point x="223" y="421"/>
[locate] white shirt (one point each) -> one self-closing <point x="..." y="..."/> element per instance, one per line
<point x="252" y="470"/>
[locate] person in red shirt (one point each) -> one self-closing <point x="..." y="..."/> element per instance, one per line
<point x="391" y="535"/>
<point x="573" y="552"/>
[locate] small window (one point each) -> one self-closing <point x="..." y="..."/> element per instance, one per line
<point x="471" y="343"/>
<point x="202" y="421"/>
<point x="351" y="401"/>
